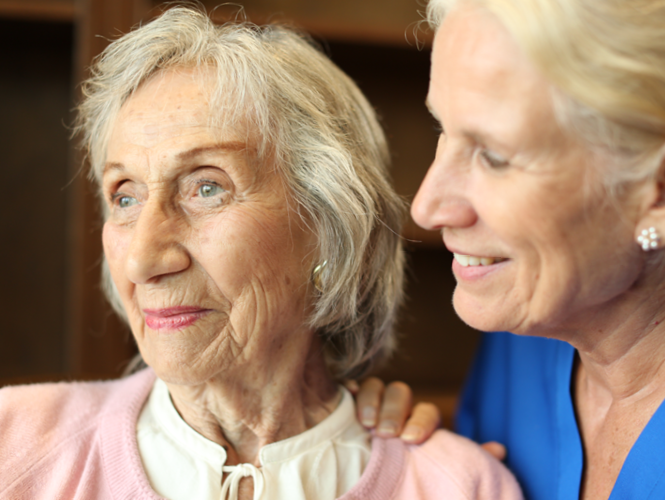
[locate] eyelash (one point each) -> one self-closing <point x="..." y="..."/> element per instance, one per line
<point x="493" y="162"/>
<point x="116" y="197"/>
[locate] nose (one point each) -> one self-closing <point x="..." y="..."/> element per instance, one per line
<point x="442" y="199"/>
<point x="156" y="249"/>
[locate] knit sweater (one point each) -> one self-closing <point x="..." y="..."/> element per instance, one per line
<point x="78" y="441"/>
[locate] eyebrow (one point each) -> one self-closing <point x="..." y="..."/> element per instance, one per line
<point x="478" y="137"/>
<point x="189" y="154"/>
<point x="225" y="146"/>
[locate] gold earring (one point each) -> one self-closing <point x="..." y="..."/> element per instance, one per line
<point x="316" y="276"/>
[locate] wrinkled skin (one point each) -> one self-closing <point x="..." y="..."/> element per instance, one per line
<point x="196" y="221"/>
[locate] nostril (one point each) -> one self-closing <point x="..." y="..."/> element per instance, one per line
<point x="151" y="261"/>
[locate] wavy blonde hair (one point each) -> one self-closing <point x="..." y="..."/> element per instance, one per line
<point x="314" y="125"/>
<point x="606" y="62"/>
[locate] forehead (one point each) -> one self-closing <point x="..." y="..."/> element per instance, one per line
<point x="166" y="126"/>
<point x="479" y="70"/>
<point x="477" y="41"/>
<point x="164" y="105"/>
<point x="176" y="109"/>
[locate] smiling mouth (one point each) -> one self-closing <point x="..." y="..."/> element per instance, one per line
<point x="471" y="260"/>
<point x="173" y="318"/>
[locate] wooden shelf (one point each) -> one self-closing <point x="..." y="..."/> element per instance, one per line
<point x="330" y="21"/>
<point x="39" y="10"/>
<point x="345" y="32"/>
<point x="369" y="22"/>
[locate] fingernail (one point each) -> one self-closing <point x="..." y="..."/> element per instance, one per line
<point x="411" y="433"/>
<point x="387" y="427"/>
<point x="352" y="386"/>
<point x="368" y="417"/>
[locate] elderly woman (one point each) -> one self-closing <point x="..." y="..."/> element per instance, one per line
<point x="252" y="243"/>
<point x="549" y="188"/>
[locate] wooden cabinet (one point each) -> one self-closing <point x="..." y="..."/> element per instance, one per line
<point x="62" y="325"/>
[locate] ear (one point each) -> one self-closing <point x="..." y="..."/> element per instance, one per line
<point x="650" y="227"/>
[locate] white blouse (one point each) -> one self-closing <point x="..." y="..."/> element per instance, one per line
<point x="322" y="463"/>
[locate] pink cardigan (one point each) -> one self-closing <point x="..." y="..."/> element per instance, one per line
<point x="78" y="441"/>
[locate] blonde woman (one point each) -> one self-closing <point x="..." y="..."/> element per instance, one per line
<point x="548" y="185"/>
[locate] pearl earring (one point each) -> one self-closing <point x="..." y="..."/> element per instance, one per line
<point x="649" y="239"/>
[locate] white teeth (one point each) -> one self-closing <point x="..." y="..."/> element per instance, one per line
<point x="462" y="259"/>
<point x="469" y="260"/>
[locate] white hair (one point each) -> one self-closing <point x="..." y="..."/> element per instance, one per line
<point x="312" y="124"/>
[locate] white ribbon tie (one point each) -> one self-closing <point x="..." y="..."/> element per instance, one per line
<point x="236" y="473"/>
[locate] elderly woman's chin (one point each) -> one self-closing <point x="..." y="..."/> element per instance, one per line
<point x="211" y="347"/>
<point x="185" y="357"/>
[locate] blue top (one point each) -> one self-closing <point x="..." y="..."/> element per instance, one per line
<point x="519" y="394"/>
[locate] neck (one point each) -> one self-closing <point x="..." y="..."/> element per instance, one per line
<point x="269" y="399"/>
<point x="621" y="348"/>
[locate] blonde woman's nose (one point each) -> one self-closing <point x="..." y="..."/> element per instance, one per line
<point x="156" y="249"/>
<point x="442" y="200"/>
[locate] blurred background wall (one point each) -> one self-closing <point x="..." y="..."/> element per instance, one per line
<point x="56" y="322"/>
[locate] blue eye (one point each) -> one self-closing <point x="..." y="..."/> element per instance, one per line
<point x="209" y="190"/>
<point x="126" y="201"/>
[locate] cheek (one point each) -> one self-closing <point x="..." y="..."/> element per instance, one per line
<point x="116" y="244"/>
<point x="252" y="251"/>
<point x="526" y="217"/>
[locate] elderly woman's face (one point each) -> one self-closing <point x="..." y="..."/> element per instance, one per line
<point x="534" y="247"/>
<point x="210" y="263"/>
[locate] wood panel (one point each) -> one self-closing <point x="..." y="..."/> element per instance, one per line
<point x="35" y="91"/>
<point x="369" y="21"/>
<point x="41" y="10"/>
<point x="98" y="341"/>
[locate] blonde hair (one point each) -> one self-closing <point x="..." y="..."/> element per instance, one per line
<point x="311" y="123"/>
<point x="606" y="62"/>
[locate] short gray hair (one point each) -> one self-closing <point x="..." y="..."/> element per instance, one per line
<point x="606" y="62"/>
<point x="323" y="137"/>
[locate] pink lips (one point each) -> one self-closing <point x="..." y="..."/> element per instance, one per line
<point x="173" y="318"/>
<point x="473" y="273"/>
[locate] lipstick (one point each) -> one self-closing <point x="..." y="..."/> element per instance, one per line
<point x="173" y="318"/>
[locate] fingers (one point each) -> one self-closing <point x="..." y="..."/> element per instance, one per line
<point x="352" y="386"/>
<point x="497" y="450"/>
<point x="397" y="402"/>
<point x="368" y="400"/>
<point x="424" y="420"/>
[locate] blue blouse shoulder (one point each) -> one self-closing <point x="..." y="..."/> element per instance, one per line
<point x="518" y="394"/>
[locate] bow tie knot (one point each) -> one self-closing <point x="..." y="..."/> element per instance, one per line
<point x="236" y="473"/>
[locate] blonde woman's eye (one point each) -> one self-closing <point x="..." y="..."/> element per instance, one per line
<point x="493" y="160"/>
<point x="209" y="190"/>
